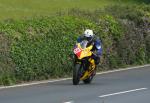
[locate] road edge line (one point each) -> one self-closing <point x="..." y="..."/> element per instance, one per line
<point x="122" y="69"/>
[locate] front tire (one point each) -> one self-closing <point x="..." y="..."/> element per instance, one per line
<point x="76" y="74"/>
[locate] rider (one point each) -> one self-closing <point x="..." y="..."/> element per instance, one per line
<point x="95" y="41"/>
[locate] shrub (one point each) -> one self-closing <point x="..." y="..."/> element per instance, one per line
<point x="43" y="51"/>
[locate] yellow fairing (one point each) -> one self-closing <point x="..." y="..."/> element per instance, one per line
<point x="90" y="70"/>
<point x="85" y="52"/>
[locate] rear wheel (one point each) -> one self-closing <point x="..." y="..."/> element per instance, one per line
<point x="88" y="80"/>
<point x="76" y="74"/>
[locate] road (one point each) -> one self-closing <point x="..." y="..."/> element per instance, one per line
<point x="130" y="86"/>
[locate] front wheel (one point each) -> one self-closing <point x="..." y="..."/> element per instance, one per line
<point x="76" y="74"/>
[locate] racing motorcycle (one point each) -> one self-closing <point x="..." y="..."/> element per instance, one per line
<point x="84" y="66"/>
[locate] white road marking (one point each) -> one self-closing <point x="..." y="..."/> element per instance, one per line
<point x="123" y="92"/>
<point x="34" y="83"/>
<point x="69" y="102"/>
<point x="63" y="79"/>
<point x="123" y="69"/>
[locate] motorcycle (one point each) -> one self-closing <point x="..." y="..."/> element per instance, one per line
<point x="84" y="66"/>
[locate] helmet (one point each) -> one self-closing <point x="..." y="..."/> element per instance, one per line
<point x="88" y="34"/>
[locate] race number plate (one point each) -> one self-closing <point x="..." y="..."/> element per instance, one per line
<point x="77" y="51"/>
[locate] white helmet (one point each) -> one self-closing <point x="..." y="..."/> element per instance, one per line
<point x="88" y="33"/>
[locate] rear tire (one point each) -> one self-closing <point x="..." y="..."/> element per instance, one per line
<point x="88" y="80"/>
<point x="76" y="74"/>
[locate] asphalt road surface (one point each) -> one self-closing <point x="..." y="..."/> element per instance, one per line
<point x="130" y="86"/>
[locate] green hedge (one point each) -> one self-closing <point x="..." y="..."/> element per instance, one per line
<point x="43" y="51"/>
<point x="39" y="48"/>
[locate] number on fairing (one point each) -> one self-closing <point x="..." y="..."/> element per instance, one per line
<point x="77" y="50"/>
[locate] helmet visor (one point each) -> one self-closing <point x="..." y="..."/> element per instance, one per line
<point x="88" y="38"/>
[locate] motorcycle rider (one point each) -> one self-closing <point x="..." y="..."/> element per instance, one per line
<point x="95" y="41"/>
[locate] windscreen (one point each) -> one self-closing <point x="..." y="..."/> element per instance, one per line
<point x="84" y="44"/>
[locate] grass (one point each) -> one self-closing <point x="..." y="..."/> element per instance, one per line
<point x="18" y="9"/>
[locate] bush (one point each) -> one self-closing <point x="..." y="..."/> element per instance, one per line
<point x="42" y="51"/>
